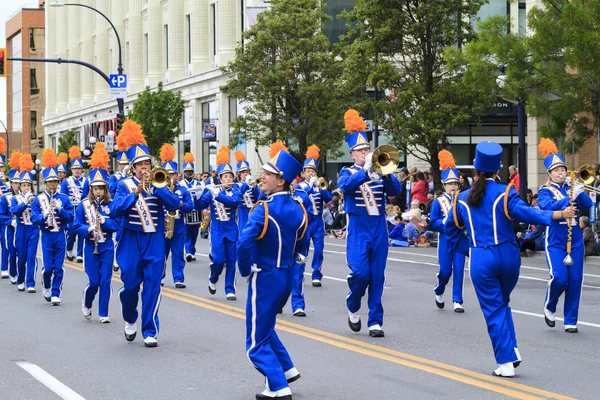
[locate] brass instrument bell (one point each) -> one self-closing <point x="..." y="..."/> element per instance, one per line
<point x="386" y="159"/>
<point x="322" y="184"/>
<point x="159" y="177"/>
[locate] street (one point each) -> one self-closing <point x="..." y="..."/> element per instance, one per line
<point x="427" y="353"/>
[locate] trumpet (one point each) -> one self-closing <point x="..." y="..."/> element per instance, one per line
<point x="159" y="178"/>
<point x="322" y="184"/>
<point x="256" y="182"/>
<point x="585" y="176"/>
<point x="386" y="159"/>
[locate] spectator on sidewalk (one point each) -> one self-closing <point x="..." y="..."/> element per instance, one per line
<point x="589" y="241"/>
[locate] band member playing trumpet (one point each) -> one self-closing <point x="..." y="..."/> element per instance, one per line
<point x="269" y="243"/>
<point x="61" y="168"/>
<point x="365" y="192"/>
<point x="451" y="261"/>
<point x="223" y="201"/>
<point x="247" y="186"/>
<point x="486" y="211"/>
<point x="141" y="250"/>
<point x="566" y="276"/>
<point x="93" y="221"/>
<point x="77" y="188"/>
<point x="52" y="212"/>
<point x="175" y="228"/>
<point x="27" y="233"/>
<point x="193" y="218"/>
<point x="8" y="220"/>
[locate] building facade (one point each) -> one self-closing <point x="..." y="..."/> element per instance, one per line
<point x="25" y="86"/>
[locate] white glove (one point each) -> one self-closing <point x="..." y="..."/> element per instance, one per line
<point x="46" y="215"/>
<point x="125" y="170"/>
<point x="215" y="191"/>
<point x="13" y="223"/>
<point x="255" y="268"/>
<point x="375" y="176"/>
<point x="91" y="228"/>
<point x="313" y="181"/>
<point x="28" y="197"/>
<point x="368" y="162"/>
<point x="102" y="220"/>
<point x="249" y="180"/>
<point x="444" y="220"/>
<point x="577" y="190"/>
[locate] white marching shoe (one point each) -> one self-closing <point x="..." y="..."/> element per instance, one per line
<point x="104" y="320"/>
<point x="458" y="308"/>
<point x="506" y="370"/>
<point x="439" y="301"/>
<point x="130" y="331"/>
<point x="549" y="318"/>
<point x="87" y="312"/>
<point x="150" y="342"/>
<point x="47" y="293"/>
<point x="4" y="274"/>
<point x="55" y="301"/>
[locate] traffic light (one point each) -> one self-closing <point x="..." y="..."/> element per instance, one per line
<point x="120" y="121"/>
<point x="3" y="62"/>
<point x="41" y="141"/>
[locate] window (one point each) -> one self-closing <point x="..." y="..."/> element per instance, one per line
<point x="213" y="16"/>
<point x="31" y="39"/>
<point x="146" y="52"/>
<point x="166" y="30"/>
<point x="33" y="82"/>
<point x="33" y="125"/>
<point x="188" y="27"/>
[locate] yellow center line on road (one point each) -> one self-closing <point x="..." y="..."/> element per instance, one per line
<point x="487" y="382"/>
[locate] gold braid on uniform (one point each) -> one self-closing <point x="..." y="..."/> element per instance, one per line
<point x="510" y="185"/>
<point x="299" y="201"/>
<point x="454" y="210"/>
<point x="266" y="222"/>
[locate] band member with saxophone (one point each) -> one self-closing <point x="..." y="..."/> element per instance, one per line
<point x="27" y="234"/>
<point x="77" y="188"/>
<point x="8" y="221"/>
<point x="451" y="261"/>
<point x="52" y="212"/>
<point x="223" y="201"/>
<point x="268" y="245"/>
<point x="61" y="168"/>
<point x="486" y="211"/>
<point x="247" y="187"/>
<point x="365" y="192"/>
<point x="193" y="218"/>
<point x="92" y="220"/>
<point x="141" y="250"/>
<point x="566" y="276"/>
<point x="174" y="226"/>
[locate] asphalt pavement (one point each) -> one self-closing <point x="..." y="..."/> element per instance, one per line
<point x="427" y="353"/>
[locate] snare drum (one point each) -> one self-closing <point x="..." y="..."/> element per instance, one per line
<point x="192" y="217"/>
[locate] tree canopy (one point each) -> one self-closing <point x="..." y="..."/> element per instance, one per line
<point x="66" y="141"/>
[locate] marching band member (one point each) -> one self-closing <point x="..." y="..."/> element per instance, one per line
<point x="192" y="218"/>
<point x="268" y="244"/>
<point x="247" y="186"/>
<point x="62" y="168"/>
<point x="450" y="260"/>
<point x="8" y="220"/>
<point x="176" y="243"/>
<point x="141" y="250"/>
<point x="223" y="201"/>
<point x="77" y="188"/>
<point x="486" y="211"/>
<point x="27" y="233"/>
<point x="367" y="239"/>
<point x="123" y="166"/>
<point x="52" y="212"/>
<point x="92" y="220"/>
<point x="4" y="190"/>
<point x="564" y="278"/>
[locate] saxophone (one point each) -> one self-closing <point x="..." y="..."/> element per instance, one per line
<point x="205" y="220"/>
<point x="171" y="216"/>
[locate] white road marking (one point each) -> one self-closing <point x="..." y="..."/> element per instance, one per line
<point x="546" y="270"/>
<point x="390" y="251"/>
<point x="63" y="391"/>
<point x="557" y="318"/>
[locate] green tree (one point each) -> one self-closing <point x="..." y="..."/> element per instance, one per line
<point x="66" y="141"/>
<point x="159" y="113"/>
<point x="286" y="76"/>
<point x="556" y="69"/>
<point x="398" y="46"/>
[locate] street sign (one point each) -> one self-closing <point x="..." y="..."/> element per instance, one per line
<point x="210" y="131"/>
<point x="118" y="86"/>
<point x="594" y="209"/>
<point x="109" y="141"/>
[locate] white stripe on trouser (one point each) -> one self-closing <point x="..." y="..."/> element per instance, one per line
<point x="253" y="316"/>
<point x="551" y="269"/>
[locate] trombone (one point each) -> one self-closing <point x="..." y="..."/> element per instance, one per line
<point x="585" y="176"/>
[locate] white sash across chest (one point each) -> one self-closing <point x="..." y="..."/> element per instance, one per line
<point x="90" y="214"/>
<point x="142" y="208"/>
<point x="368" y="197"/>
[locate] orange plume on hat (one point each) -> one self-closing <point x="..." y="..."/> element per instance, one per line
<point x="2" y="146"/>
<point x="446" y="160"/>
<point x="49" y="159"/>
<point x="26" y="163"/>
<point x="167" y="152"/>
<point x="188" y="157"/>
<point x="547" y="147"/>
<point x="74" y="152"/>
<point x="15" y="160"/>
<point x="275" y="147"/>
<point x="354" y="122"/>
<point x="130" y="135"/>
<point x="223" y="155"/>
<point x="100" y="157"/>
<point x="239" y="156"/>
<point x="313" y="152"/>
<point x="61" y="158"/>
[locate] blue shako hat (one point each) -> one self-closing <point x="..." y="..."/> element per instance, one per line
<point x="62" y="168"/>
<point x="98" y="177"/>
<point x="285" y="165"/>
<point x="14" y="175"/>
<point x="75" y="156"/>
<point x="312" y="157"/>
<point x="355" y="126"/>
<point x="170" y="166"/>
<point x="223" y="159"/>
<point x="553" y="161"/>
<point x="224" y="168"/>
<point x="137" y="148"/>
<point x="448" y="166"/>
<point x="2" y="160"/>
<point x="449" y="175"/>
<point x="26" y="177"/>
<point x="122" y="158"/>
<point x="50" y="174"/>
<point x="488" y="156"/>
<point x="243" y="166"/>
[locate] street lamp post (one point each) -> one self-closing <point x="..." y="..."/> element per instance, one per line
<point x="522" y="150"/>
<point x="38" y="162"/>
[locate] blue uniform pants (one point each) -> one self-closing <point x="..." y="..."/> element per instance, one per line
<point x="450" y="262"/>
<point x="223" y="253"/>
<point x="71" y="237"/>
<point x="191" y="236"/>
<point x="298" y="287"/>
<point x="267" y="293"/>
<point x="565" y="279"/>
<point x="141" y="257"/>
<point x="9" y="252"/>
<point x="317" y="234"/>
<point x="99" y="271"/>
<point x="26" y="242"/>
<point x="53" y="257"/>
<point x="175" y="247"/>
<point x="366" y="255"/>
<point x="242" y="215"/>
<point x="494" y="273"/>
